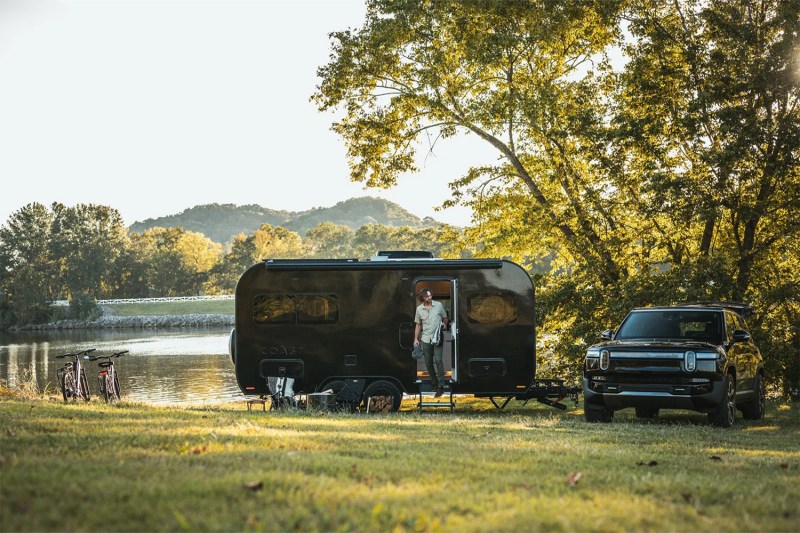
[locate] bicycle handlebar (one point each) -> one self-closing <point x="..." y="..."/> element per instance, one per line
<point x="76" y="354"/>
<point x="115" y="354"/>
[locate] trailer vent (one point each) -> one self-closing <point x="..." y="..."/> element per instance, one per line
<point x="402" y="254"/>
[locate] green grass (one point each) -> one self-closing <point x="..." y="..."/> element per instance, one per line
<point x="200" y="307"/>
<point x="134" y="467"/>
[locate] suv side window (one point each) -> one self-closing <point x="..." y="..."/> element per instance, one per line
<point x="731" y="324"/>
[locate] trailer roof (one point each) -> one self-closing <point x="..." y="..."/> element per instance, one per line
<point x="381" y="264"/>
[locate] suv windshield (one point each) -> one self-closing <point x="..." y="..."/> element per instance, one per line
<point x="672" y="325"/>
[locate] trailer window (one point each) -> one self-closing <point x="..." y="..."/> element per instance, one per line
<point x="492" y="308"/>
<point x="317" y="309"/>
<point x="274" y="309"/>
<point x="296" y="308"/>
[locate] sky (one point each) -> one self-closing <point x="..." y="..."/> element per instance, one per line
<point x="155" y="106"/>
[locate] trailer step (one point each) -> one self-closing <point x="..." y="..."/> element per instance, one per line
<point x="424" y="405"/>
<point x="426" y="400"/>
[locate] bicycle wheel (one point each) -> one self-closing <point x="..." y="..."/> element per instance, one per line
<point x="116" y="387"/>
<point x="65" y="384"/>
<point x="84" y="390"/>
<point x="102" y="379"/>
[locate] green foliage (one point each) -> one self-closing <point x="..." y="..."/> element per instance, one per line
<point x="83" y="307"/>
<point x="674" y="177"/>
<point x="87" y="242"/>
<point x="28" y="273"/>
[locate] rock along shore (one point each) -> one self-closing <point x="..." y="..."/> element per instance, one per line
<point x="135" y="322"/>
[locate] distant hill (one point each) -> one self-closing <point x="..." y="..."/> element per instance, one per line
<point x="222" y="222"/>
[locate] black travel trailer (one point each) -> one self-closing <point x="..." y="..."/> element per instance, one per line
<point x="347" y="326"/>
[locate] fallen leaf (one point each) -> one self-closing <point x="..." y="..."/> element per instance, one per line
<point x="197" y="450"/>
<point x="651" y="463"/>
<point x="784" y="465"/>
<point x="254" y="485"/>
<point x="687" y="496"/>
<point x="573" y="477"/>
<point x="716" y="458"/>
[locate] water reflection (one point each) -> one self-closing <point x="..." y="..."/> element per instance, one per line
<point x="162" y="366"/>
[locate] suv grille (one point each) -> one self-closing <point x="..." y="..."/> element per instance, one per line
<point x="646" y="379"/>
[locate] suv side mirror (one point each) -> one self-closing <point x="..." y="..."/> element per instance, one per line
<point x="608" y="334"/>
<point x="741" y="336"/>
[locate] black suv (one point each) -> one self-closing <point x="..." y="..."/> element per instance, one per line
<point x="694" y="356"/>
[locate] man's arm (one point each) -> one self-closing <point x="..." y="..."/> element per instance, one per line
<point x="416" y="334"/>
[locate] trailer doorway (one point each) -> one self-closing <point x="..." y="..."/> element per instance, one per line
<point x="444" y="291"/>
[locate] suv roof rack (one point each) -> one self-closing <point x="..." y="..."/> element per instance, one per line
<point x="741" y="308"/>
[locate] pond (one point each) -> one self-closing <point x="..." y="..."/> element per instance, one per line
<point x="186" y="366"/>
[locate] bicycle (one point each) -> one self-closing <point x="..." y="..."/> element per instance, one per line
<point x="72" y="377"/>
<point x="109" y="382"/>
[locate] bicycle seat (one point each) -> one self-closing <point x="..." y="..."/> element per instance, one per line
<point x="105" y="364"/>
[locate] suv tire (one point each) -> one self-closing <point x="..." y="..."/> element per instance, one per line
<point x="597" y="414"/>
<point x="754" y="410"/>
<point x="646" y="412"/>
<point x="723" y="416"/>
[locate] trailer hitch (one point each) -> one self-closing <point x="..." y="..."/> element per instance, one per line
<point x="551" y="392"/>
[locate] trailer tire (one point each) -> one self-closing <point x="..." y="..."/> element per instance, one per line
<point x="337" y="386"/>
<point x="383" y="387"/>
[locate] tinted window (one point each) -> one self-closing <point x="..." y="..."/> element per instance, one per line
<point x="317" y="308"/>
<point x="274" y="308"/>
<point x="296" y="308"/>
<point x="676" y="325"/>
<point x="492" y="308"/>
<point x="734" y="323"/>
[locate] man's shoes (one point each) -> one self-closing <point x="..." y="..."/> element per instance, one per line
<point x="439" y="392"/>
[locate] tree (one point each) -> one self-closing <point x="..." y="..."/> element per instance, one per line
<point x="267" y="242"/>
<point x="27" y="276"/>
<point x="88" y="241"/>
<point x="709" y="130"/>
<point x="709" y="114"/>
<point x="177" y="262"/>
<point x="675" y="179"/>
<point x="514" y="74"/>
<point x="329" y="240"/>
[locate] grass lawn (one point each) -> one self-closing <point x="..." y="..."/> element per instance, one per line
<point x="189" y="307"/>
<point x="134" y="467"/>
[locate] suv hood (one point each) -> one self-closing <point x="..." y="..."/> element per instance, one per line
<point x="655" y="345"/>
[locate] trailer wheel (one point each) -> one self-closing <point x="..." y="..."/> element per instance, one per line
<point x="337" y="386"/>
<point x="383" y="387"/>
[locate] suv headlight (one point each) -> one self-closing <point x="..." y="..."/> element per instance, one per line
<point x="605" y="358"/>
<point x="592" y="359"/>
<point x="690" y="361"/>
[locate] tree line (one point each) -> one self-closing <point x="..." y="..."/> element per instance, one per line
<point x="85" y="253"/>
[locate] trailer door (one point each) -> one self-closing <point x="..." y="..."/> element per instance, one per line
<point x="445" y="291"/>
<point x="453" y="312"/>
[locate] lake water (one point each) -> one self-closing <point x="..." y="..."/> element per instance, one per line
<point x="186" y="366"/>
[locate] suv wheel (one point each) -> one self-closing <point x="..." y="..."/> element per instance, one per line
<point x="725" y="413"/>
<point x="754" y="410"/>
<point x="646" y="412"/>
<point x="597" y="414"/>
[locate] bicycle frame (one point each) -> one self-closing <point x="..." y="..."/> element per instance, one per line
<point x="107" y="377"/>
<point x="72" y="377"/>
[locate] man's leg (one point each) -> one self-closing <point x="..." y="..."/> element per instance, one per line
<point x="438" y="352"/>
<point x="428" y="352"/>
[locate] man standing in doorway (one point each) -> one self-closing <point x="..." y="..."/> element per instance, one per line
<point x="431" y="320"/>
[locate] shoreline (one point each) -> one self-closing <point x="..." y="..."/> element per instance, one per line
<point x="134" y="322"/>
